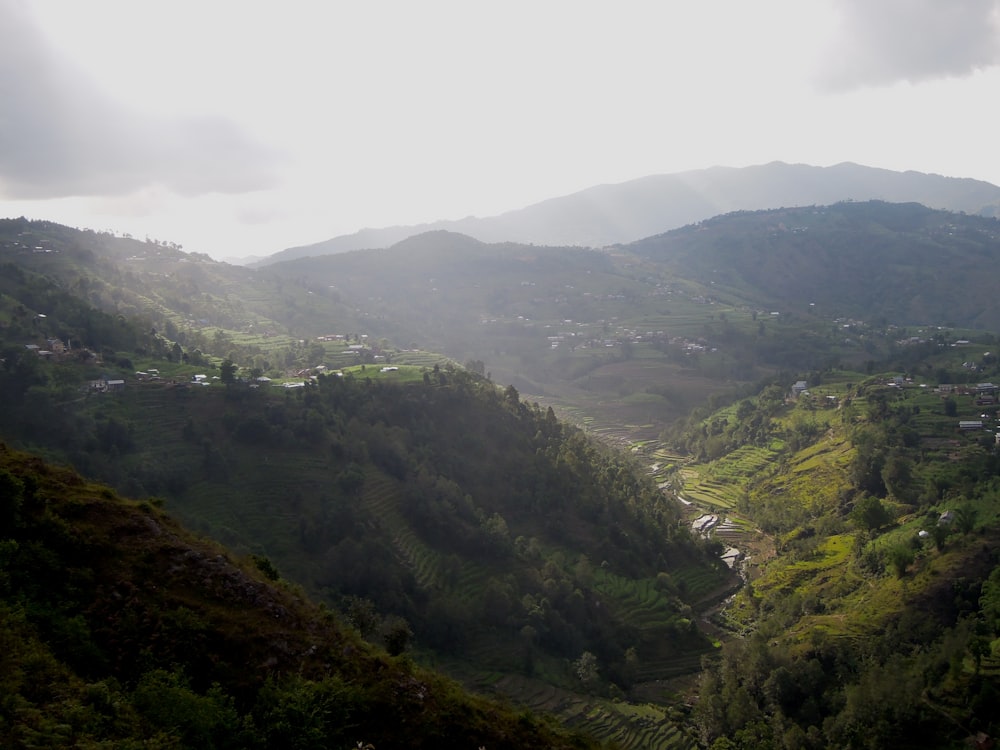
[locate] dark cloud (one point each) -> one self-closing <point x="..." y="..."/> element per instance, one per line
<point x="881" y="42"/>
<point x="61" y="135"/>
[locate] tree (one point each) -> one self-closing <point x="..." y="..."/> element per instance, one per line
<point x="265" y="566"/>
<point x="989" y="600"/>
<point x="939" y="533"/>
<point x="396" y="634"/>
<point x="227" y="372"/>
<point x="897" y="474"/>
<point x="965" y="519"/>
<point x="901" y="556"/>
<point x="586" y="669"/>
<point x="870" y="514"/>
<point x="363" y="615"/>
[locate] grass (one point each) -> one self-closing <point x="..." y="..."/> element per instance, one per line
<point x="393" y="372"/>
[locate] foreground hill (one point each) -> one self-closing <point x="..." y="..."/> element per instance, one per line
<point x="622" y="213"/>
<point x="445" y="501"/>
<point x="119" y="628"/>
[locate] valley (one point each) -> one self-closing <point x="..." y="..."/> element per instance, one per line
<point x="524" y="465"/>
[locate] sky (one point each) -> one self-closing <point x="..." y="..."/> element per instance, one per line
<point x="240" y="128"/>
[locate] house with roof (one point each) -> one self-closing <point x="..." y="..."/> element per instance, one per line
<point x="986" y="394"/>
<point x="105" y="384"/>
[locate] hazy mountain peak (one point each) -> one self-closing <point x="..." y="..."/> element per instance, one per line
<point x="619" y="213"/>
<point x="441" y="239"/>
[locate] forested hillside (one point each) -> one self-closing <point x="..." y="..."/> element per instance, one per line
<point x="120" y="628"/>
<point x="670" y="320"/>
<point x="445" y="501"/>
<point x="903" y="263"/>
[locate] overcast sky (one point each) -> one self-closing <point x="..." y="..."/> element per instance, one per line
<point x="242" y="128"/>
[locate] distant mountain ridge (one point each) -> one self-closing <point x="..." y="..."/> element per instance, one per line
<point x="629" y="211"/>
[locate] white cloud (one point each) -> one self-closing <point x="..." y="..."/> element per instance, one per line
<point x="882" y="42"/>
<point x="62" y="135"/>
<point x="339" y="115"/>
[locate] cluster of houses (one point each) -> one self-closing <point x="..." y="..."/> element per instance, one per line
<point x="58" y="349"/>
<point x="800" y="389"/>
<point x="984" y="394"/>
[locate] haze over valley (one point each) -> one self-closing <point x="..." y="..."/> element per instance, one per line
<point x="618" y="214"/>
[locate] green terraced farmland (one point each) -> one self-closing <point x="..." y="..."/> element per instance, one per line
<point x="630" y="726"/>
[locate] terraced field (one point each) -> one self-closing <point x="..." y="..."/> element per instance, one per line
<point x="721" y="483"/>
<point x="429" y="567"/>
<point x="631" y="726"/>
<point x="420" y="358"/>
<point x="833" y="554"/>
<point x="744" y="463"/>
<point x="639" y="601"/>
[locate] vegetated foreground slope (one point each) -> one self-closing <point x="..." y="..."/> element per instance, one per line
<point x="120" y="628"/>
<point x="477" y="517"/>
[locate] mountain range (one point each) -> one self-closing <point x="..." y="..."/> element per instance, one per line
<point x="629" y="211"/>
<point x="811" y="382"/>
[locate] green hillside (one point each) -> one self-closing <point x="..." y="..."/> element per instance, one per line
<point x="446" y="501"/>
<point x="869" y="617"/>
<point x="121" y="629"/>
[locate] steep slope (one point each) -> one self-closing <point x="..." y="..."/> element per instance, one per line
<point x="876" y="623"/>
<point x="120" y="627"/>
<point x="446" y="501"/>
<point x="614" y="214"/>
